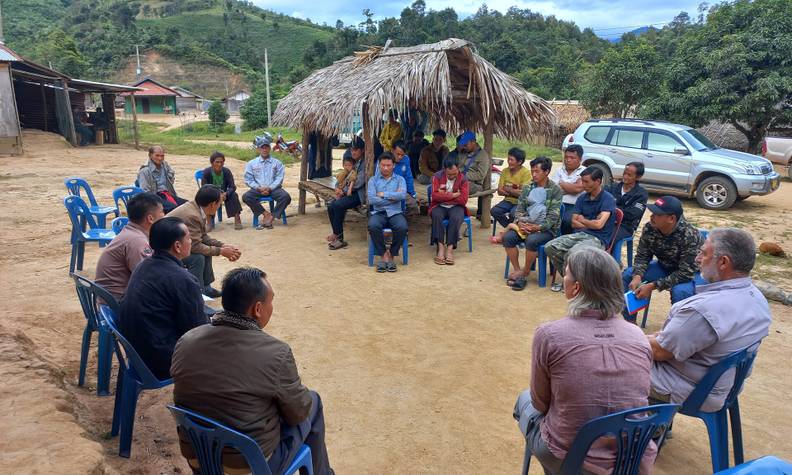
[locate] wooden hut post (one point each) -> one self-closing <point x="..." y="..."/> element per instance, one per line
<point x="134" y="122"/>
<point x="44" y="103"/>
<point x="66" y="119"/>
<point x="303" y="169"/>
<point x="486" y="201"/>
<point x="368" y="137"/>
<point x="108" y="104"/>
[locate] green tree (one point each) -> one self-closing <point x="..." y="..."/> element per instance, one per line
<point x="622" y="80"/>
<point x="217" y="113"/>
<point x="254" y="111"/>
<point x="734" y="68"/>
<point x="61" y="50"/>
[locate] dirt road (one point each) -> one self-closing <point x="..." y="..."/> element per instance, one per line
<point x="418" y="370"/>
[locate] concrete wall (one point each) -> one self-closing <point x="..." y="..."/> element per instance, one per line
<point x="156" y="104"/>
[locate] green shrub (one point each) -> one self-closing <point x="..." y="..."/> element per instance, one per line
<point x="217" y="114"/>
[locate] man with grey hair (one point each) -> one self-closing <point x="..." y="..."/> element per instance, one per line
<point x="158" y="177"/>
<point x="576" y="363"/>
<point x="726" y="315"/>
<point x="264" y="175"/>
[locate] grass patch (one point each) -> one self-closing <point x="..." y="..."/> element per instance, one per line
<point x="772" y="269"/>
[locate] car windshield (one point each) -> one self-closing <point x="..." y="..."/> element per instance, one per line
<point x="697" y="140"/>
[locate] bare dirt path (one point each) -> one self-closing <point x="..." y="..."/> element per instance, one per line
<point x="418" y="370"/>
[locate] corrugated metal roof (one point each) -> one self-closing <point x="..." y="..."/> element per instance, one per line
<point x="103" y="86"/>
<point x="6" y="54"/>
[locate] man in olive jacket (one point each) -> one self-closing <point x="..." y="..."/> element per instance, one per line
<point x="194" y="214"/>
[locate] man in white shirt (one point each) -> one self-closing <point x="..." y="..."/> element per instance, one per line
<point x="568" y="178"/>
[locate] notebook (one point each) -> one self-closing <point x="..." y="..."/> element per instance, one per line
<point x="634" y="304"/>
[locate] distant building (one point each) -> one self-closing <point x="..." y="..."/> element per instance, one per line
<point x="155" y="98"/>
<point x="235" y="101"/>
<point x="187" y="100"/>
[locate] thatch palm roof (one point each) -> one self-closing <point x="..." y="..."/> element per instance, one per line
<point x="457" y="87"/>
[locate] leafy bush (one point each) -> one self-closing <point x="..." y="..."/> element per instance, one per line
<point x="217" y="113"/>
<point x="254" y="111"/>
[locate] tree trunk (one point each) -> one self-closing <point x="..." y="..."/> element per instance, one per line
<point x="755" y="134"/>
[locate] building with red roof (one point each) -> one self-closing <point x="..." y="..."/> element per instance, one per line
<point x="155" y="98"/>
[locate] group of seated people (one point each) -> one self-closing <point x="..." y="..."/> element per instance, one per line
<point x="263" y="177"/>
<point x="226" y="367"/>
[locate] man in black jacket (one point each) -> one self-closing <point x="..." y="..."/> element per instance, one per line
<point x="630" y="198"/>
<point x="163" y="300"/>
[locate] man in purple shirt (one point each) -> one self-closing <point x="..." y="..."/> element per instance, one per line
<point x="725" y="316"/>
<point x="131" y="246"/>
<point x="578" y="361"/>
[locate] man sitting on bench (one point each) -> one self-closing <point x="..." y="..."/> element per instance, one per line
<point x="336" y="209"/>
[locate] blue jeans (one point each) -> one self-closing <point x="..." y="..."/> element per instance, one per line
<point x="655" y="271"/>
<point x="501" y="213"/>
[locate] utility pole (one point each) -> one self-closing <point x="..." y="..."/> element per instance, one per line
<point x="2" y="38"/>
<point x="266" y="80"/>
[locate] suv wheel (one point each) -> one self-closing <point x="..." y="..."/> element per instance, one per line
<point x="607" y="176"/>
<point x="716" y="192"/>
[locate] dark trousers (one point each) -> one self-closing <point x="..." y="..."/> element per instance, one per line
<point x="201" y="267"/>
<point x="167" y="205"/>
<point x="281" y="197"/>
<point x="447" y="234"/>
<point x="379" y="221"/>
<point x="311" y="432"/>
<point x="655" y="271"/>
<point x="566" y="219"/>
<point x="502" y="213"/>
<point x="336" y="211"/>
<point x="232" y="205"/>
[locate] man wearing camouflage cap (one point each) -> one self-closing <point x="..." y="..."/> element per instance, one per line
<point x="264" y="175"/>
<point x="674" y="243"/>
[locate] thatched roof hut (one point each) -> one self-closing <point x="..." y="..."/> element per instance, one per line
<point x="456" y="87"/>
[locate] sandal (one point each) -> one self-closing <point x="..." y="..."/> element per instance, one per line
<point x="439" y="260"/>
<point x="519" y="284"/>
<point x="335" y="245"/>
<point x="449" y="261"/>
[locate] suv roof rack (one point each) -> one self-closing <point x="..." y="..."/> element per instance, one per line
<point x="614" y="119"/>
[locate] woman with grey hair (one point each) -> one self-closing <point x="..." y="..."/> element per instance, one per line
<point x="588" y="364"/>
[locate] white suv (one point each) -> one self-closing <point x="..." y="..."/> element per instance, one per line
<point x="678" y="160"/>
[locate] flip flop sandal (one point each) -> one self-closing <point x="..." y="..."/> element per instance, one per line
<point x="391" y="267"/>
<point x="335" y="245"/>
<point x="382" y="267"/>
<point x="519" y="284"/>
<point x="449" y="262"/>
<point x="439" y="261"/>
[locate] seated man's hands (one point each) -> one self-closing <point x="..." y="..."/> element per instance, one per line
<point x="232" y="253"/>
<point x="528" y="227"/>
<point x="265" y="190"/>
<point x="339" y="193"/>
<point x="645" y="290"/>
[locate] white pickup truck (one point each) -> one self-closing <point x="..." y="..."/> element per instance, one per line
<point x="779" y="151"/>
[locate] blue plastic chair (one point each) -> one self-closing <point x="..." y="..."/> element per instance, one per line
<point x="198" y="178"/>
<point x="617" y="247"/>
<point x="118" y="224"/>
<point x="268" y="199"/>
<point x="75" y="185"/>
<point x="767" y="465"/>
<point x="81" y="218"/>
<point x="89" y="293"/>
<point x="466" y="220"/>
<point x="133" y="377"/>
<point x="632" y="431"/>
<point x="541" y="258"/>
<point x="717" y="425"/>
<point x="405" y="244"/>
<point x="123" y="195"/>
<point x="208" y="438"/>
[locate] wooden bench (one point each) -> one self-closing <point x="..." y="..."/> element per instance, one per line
<point x="324" y="188"/>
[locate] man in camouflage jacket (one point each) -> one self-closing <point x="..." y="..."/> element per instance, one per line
<point x="674" y="243"/>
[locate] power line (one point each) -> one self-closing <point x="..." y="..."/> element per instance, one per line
<point x="629" y="27"/>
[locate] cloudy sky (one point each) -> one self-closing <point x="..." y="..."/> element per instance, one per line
<point x="608" y="18"/>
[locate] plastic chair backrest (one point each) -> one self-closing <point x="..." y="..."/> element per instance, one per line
<point x="124" y="194"/>
<point x="198" y="176"/>
<point x="617" y="225"/>
<point x="632" y="430"/>
<point x="87" y="299"/>
<point x="133" y="360"/>
<point x="741" y="360"/>
<point x="208" y="437"/>
<point x="79" y="213"/>
<point x="74" y="184"/>
<point x="118" y="224"/>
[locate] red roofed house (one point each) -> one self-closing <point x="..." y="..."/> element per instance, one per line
<point x="155" y="98"/>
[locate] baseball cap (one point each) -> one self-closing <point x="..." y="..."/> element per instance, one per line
<point x="666" y="205"/>
<point x="466" y="137"/>
<point x="262" y="140"/>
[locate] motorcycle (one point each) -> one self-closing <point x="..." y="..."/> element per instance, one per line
<point x="292" y="147"/>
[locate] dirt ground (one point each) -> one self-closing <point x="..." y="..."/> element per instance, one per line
<point x="418" y="370"/>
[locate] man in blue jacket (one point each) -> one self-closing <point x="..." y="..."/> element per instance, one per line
<point x="386" y="191"/>
<point x="163" y="300"/>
